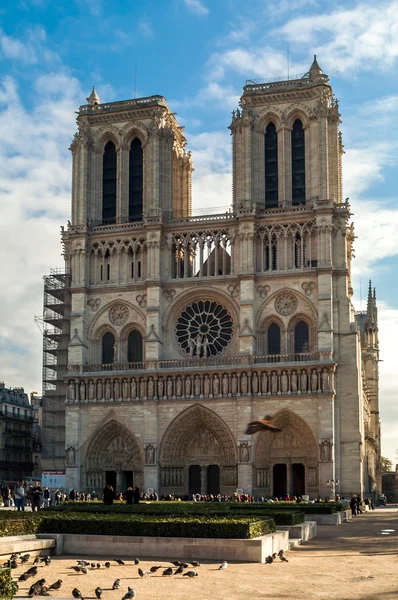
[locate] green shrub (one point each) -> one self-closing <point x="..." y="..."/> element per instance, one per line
<point x="8" y="587"/>
<point x="18" y="525"/>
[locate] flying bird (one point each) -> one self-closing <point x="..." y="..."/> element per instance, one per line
<point x="98" y="592"/>
<point x="265" y="424"/>
<point x="56" y="585"/>
<point x="224" y="565"/>
<point x="77" y="594"/>
<point x="191" y="574"/>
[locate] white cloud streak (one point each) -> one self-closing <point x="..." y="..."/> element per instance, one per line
<point x="197" y="7"/>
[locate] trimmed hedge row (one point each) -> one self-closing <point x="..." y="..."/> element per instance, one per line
<point x="246" y="527"/>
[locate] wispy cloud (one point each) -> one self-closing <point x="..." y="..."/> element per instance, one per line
<point x="197" y="7"/>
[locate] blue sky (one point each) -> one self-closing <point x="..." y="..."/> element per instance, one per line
<point x="198" y="54"/>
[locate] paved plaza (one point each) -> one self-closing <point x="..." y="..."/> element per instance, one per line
<point x="355" y="561"/>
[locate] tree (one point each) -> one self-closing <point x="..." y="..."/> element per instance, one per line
<point x="385" y="464"/>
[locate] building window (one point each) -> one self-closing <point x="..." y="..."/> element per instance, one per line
<point x="271" y="166"/>
<point x="299" y="251"/>
<point x="134" y="347"/>
<point x="274" y="339"/>
<point x="108" y="343"/>
<point x="136" y="180"/>
<point x="109" y="184"/>
<point x="301" y="337"/>
<point x="271" y="254"/>
<point x="298" y="164"/>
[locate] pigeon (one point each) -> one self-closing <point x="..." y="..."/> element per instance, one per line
<point x="32" y="571"/>
<point x="191" y="574"/>
<point x="282" y="556"/>
<point x="83" y="563"/>
<point x="269" y="560"/>
<point x="47" y="561"/>
<point x="25" y="558"/>
<point x="168" y="571"/>
<point x="98" y="592"/>
<point x="120" y="561"/>
<point x="136" y="561"/>
<point x="274" y="555"/>
<point x="77" y="594"/>
<point x="176" y="563"/>
<point x="92" y="565"/>
<point x="56" y="585"/>
<point x="35" y="589"/>
<point x="37" y="560"/>
<point x="77" y="569"/>
<point x="154" y="569"/>
<point x="14" y="555"/>
<point x="141" y="573"/>
<point x="13" y="564"/>
<point x="195" y="563"/>
<point x="43" y="592"/>
<point x="84" y="570"/>
<point x="23" y="577"/>
<point x="99" y="566"/>
<point x="179" y="570"/>
<point x="116" y="584"/>
<point x="129" y="594"/>
<point x="224" y="565"/>
<point x="265" y="424"/>
<point x="108" y="565"/>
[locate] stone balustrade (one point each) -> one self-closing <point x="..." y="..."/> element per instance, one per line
<point x="277" y="381"/>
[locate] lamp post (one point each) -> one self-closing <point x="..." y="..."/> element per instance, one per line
<point x="332" y="484"/>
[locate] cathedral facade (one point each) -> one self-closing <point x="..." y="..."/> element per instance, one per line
<point x="186" y="328"/>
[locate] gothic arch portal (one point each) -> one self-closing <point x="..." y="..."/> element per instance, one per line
<point x="198" y="436"/>
<point x="294" y="445"/>
<point x="113" y="449"/>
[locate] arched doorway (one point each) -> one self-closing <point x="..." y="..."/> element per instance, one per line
<point x="279" y="479"/>
<point x="198" y="439"/>
<point x="298" y="479"/>
<point x="113" y="456"/>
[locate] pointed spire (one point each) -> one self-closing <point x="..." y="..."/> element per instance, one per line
<point x="315" y="69"/>
<point x="371" y="314"/>
<point x="93" y="98"/>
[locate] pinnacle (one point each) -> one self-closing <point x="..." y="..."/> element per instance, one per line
<point x="93" y="97"/>
<point x="315" y="69"/>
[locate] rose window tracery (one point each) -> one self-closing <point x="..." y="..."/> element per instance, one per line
<point x="119" y="314"/>
<point x="286" y="304"/>
<point x="204" y="328"/>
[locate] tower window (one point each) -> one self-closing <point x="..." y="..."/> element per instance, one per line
<point x="298" y="164"/>
<point x="108" y="342"/>
<point x="109" y="184"/>
<point x="301" y="337"/>
<point x="271" y="166"/>
<point x="136" y="181"/>
<point x="274" y="339"/>
<point x="271" y="255"/>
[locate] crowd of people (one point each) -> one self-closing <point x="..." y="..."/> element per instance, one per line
<point x="34" y="496"/>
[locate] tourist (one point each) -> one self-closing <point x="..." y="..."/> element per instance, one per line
<point x="46" y="497"/>
<point x="109" y="494"/>
<point x="129" y="495"/>
<point x="36" y="494"/>
<point x="137" y="495"/>
<point x="353" y="505"/>
<point x="5" y="494"/>
<point x="20" y="495"/>
<point x="73" y="495"/>
<point x="358" y="501"/>
<point x="57" y="497"/>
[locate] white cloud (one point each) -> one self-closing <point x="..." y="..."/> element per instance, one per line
<point x="14" y="49"/>
<point x="197" y="7"/>
<point x="145" y="28"/>
<point x="362" y="38"/>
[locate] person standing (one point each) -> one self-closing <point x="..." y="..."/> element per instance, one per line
<point x="37" y="493"/>
<point x="137" y="495"/>
<point x="353" y="505"/>
<point x="20" y="495"/>
<point x="47" y="497"/>
<point x="358" y="501"/>
<point x="109" y="494"/>
<point x="129" y="495"/>
<point x="5" y="494"/>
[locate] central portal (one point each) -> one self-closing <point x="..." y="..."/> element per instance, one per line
<point x="195" y="479"/>
<point x="213" y="479"/>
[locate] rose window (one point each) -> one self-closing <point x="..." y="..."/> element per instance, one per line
<point x="204" y="328"/>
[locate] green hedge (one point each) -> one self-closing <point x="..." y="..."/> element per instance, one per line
<point x="245" y="527"/>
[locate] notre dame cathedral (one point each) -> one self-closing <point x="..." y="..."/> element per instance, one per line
<point x="184" y="328"/>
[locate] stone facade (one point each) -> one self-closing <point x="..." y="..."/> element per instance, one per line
<point x="187" y="328"/>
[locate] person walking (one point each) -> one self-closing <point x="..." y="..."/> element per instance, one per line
<point x="37" y="493"/>
<point x="358" y="500"/>
<point x="353" y="505"/>
<point x="20" y="495"/>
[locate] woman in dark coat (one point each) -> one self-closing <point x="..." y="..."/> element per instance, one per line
<point x="137" y="495"/>
<point x="129" y="495"/>
<point x="109" y="494"/>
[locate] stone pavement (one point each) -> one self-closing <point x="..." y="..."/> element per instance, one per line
<point x="355" y="561"/>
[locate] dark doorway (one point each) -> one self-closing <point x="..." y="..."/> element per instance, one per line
<point x="298" y="479"/>
<point x="110" y="478"/>
<point x="280" y="480"/>
<point x="195" y="479"/>
<point x="127" y="480"/>
<point x="213" y="479"/>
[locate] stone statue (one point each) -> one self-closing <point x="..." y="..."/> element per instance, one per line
<point x="216" y="386"/>
<point x="255" y="383"/>
<point x="160" y="387"/>
<point x="187" y="387"/>
<point x="274" y="383"/>
<point x="243" y="384"/>
<point x="125" y="387"/>
<point x="191" y="347"/>
<point x="115" y="352"/>
<point x="284" y="382"/>
<point x="150" y="454"/>
<point x="294" y="381"/>
<point x="99" y="390"/>
<point x="205" y="344"/>
<point x="72" y="393"/>
<point x="197" y="385"/>
<point x="71" y="457"/>
<point x="82" y="391"/>
<point x="178" y="387"/>
<point x="206" y="386"/>
<point x="116" y="389"/>
<point x="225" y="385"/>
<point x="326" y="450"/>
<point x="325" y="381"/>
<point x="91" y="390"/>
<point x="151" y="388"/>
<point x="107" y="389"/>
<point x="169" y="387"/>
<point x="133" y="389"/>
<point x="198" y="345"/>
<point x="264" y="383"/>
<point x="142" y="388"/>
<point x="303" y="381"/>
<point x="244" y="452"/>
<point x="314" y="381"/>
<point x="312" y="476"/>
<point x="234" y="385"/>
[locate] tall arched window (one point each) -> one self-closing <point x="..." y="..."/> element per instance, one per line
<point x="271" y="166"/>
<point x="134" y="347"/>
<point x="109" y="184"/>
<point x="271" y="254"/>
<point x="108" y="342"/>
<point x="298" y="164"/>
<point x="136" y="180"/>
<point x="301" y="337"/>
<point x="274" y="339"/>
